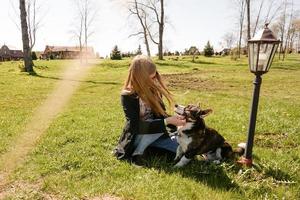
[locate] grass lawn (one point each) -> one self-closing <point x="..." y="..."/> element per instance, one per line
<point x="20" y="94"/>
<point x="73" y="159"/>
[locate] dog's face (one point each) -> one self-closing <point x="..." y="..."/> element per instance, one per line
<point x="191" y="134"/>
<point x="192" y="113"/>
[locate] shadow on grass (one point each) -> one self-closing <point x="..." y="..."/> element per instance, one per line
<point x="289" y="68"/>
<point x="185" y="64"/>
<point x="87" y="81"/>
<point x="200" y="171"/>
<point x="203" y="62"/>
<point x="269" y="170"/>
<point x="216" y="176"/>
<point x="173" y="64"/>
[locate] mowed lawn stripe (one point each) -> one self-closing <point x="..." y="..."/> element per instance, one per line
<point x="42" y="118"/>
<point x="21" y="94"/>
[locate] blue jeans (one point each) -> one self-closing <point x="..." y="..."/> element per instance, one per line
<point x="154" y="140"/>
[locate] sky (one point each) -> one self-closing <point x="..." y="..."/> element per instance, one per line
<point x="191" y="22"/>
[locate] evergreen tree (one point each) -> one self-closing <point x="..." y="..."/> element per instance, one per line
<point x="208" y="50"/>
<point x="139" y="51"/>
<point x="33" y="56"/>
<point x="115" y="54"/>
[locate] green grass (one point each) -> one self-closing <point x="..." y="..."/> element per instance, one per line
<point x="21" y="93"/>
<point x="73" y="159"/>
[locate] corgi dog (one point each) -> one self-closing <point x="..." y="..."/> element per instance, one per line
<point x="195" y="138"/>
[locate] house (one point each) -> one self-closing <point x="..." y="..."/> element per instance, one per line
<point x="7" y="54"/>
<point x="225" y="52"/>
<point x="66" y="52"/>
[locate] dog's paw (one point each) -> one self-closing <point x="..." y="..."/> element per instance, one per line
<point x="217" y="162"/>
<point x="183" y="161"/>
<point x="242" y="145"/>
<point x="174" y="138"/>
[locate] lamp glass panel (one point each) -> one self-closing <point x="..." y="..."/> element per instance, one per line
<point x="264" y="56"/>
<point x="272" y="55"/>
<point x="252" y="56"/>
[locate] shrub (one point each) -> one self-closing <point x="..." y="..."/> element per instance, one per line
<point x="139" y="51"/>
<point x="33" y="56"/>
<point x="115" y="54"/>
<point x="208" y="50"/>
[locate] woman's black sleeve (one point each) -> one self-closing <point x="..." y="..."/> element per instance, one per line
<point x="131" y="111"/>
<point x="137" y="126"/>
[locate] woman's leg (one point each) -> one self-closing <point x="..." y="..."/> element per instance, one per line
<point x="165" y="143"/>
<point x="142" y="141"/>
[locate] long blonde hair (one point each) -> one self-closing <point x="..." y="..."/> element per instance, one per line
<point x="150" y="91"/>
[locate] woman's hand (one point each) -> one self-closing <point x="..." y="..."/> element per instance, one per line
<point x="176" y="120"/>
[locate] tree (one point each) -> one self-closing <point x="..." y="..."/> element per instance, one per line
<point x="115" y="54"/>
<point x="208" y="50"/>
<point x="296" y="41"/>
<point x="33" y="19"/>
<point x="283" y="26"/>
<point x="86" y="15"/>
<point x="78" y="33"/>
<point x="140" y="11"/>
<point x="241" y="10"/>
<point x="193" y="51"/>
<point x="248" y="19"/>
<point x="151" y="16"/>
<point x="33" y="22"/>
<point x="273" y="10"/>
<point x="33" y="56"/>
<point x="257" y="19"/>
<point x="157" y="7"/>
<point x="271" y="7"/>
<point x="290" y="30"/>
<point x="229" y="39"/>
<point x="139" y="51"/>
<point x="25" y="38"/>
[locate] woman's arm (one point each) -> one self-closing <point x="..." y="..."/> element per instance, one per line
<point x="131" y="110"/>
<point x="132" y="113"/>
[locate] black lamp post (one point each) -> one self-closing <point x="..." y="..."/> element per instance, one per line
<point x="261" y="51"/>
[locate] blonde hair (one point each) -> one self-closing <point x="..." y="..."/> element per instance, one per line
<point x="139" y="81"/>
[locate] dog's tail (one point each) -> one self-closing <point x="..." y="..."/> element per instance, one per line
<point x="240" y="150"/>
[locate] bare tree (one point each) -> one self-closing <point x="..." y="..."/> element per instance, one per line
<point x="228" y="39"/>
<point x="273" y="9"/>
<point x="296" y="35"/>
<point x="257" y="18"/>
<point x="157" y="12"/>
<point x="77" y="32"/>
<point x="158" y="8"/>
<point x="151" y="15"/>
<point x="193" y="51"/>
<point x="86" y="15"/>
<point x="283" y="27"/>
<point x="25" y="38"/>
<point x="268" y="10"/>
<point x="140" y="11"/>
<point x="33" y="21"/>
<point x="241" y="7"/>
<point x="248" y="19"/>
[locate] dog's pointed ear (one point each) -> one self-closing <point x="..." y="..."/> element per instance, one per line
<point x="205" y="112"/>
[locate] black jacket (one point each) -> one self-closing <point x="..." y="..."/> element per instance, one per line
<point x="134" y="126"/>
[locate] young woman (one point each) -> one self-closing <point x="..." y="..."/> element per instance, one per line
<point x="145" y="113"/>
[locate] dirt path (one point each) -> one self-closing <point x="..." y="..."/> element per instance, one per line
<point x="41" y="120"/>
